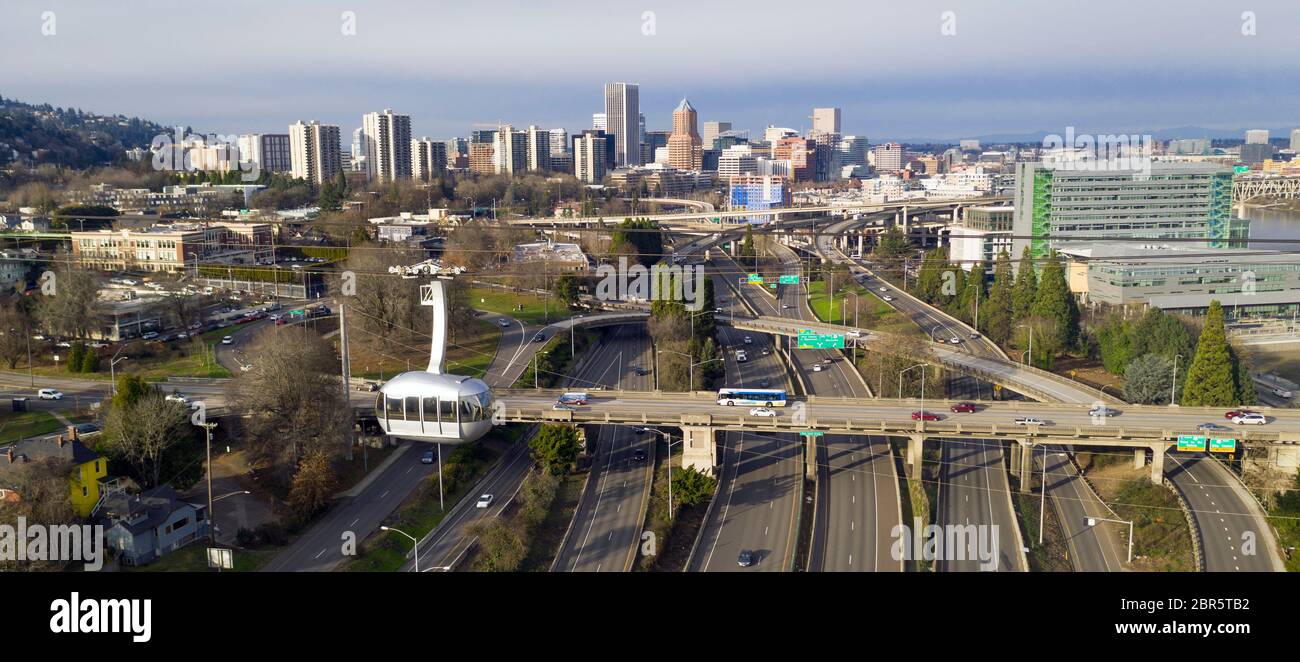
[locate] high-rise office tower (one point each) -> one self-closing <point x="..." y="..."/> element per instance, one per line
<point x="314" y="151"/>
<point x="685" y="149"/>
<point x="387" y="137"/>
<point x="889" y="157"/>
<point x="1295" y="140"/>
<point x="826" y="120"/>
<point x="711" y="131"/>
<point x="589" y="154"/>
<point x="599" y="121"/>
<point x="428" y="159"/>
<point x="539" y="148"/>
<point x="623" y="120"/>
<point x="1256" y="136"/>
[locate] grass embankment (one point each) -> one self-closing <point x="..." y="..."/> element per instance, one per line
<point x="193" y="558"/>
<point x="385" y="551"/>
<point x="554" y="361"/>
<point x="1054" y="554"/>
<point x="470" y="356"/>
<point x="881" y="316"/>
<point x="20" y="425"/>
<point x="1161" y="536"/>
<point x="549" y="534"/>
<point x="673" y="537"/>
<point x="526" y="307"/>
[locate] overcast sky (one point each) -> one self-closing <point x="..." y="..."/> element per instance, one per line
<point x="1013" y="66"/>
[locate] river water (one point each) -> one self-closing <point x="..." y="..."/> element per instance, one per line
<point x="1273" y="229"/>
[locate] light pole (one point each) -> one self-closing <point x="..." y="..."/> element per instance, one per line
<point x="112" y="372"/>
<point x="1092" y="521"/>
<point x="1173" y="401"/>
<point x="1031" y="341"/>
<point x="669" y="438"/>
<point x="417" y="543"/>
<point x="900" y="388"/>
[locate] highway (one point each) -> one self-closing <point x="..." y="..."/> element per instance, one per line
<point x="1222" y="490"/>
<point x="606" y="527"/>
<point x="1234" y="535"/>
<point x="756" y="507"/>
<point x="1091" y="549"/>
<point x="973" y="490"/>
<point x="857" y="492"/>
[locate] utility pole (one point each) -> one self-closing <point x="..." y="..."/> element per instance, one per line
<point x="343" y="349"/>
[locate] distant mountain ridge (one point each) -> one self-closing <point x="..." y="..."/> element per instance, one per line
<point x="42" y="133"/>
<point x="1156" y="134"/>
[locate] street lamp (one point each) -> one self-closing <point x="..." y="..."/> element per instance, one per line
<point x="1173" y="402"/>
<point x="1092" y="521"/>
<point x="417" y="543"/>
<point x="212" y="521"/>
<point x="669" y="438"/>
<point x="112" y="370"/>
<point x="900" y="388"/>
<point x="1031" y="341"/>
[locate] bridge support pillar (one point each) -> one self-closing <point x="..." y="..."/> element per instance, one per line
<point x="1139" y="458"/>
<point x="1158" y="463"/>
<point x="810" y="459"/>
<point x="860" y="236"/>
<point x="915" y="445"/>
<point x="1015" y="461"/>
<point x="1026" y="466"/>
<point x="698" y="448"/>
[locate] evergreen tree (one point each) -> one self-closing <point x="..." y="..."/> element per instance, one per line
<point x="1054" y="302"/>
<point x="995" y="313"/>
<point x="1210" y="381"/>
<point x="1025" y="289"/>
<point x="972" y="290"/>
<point x="76" y="357"/>
<point x="1246" y="393"/>
<point x="89" y="361"/>
<point x="1114" y="341"/>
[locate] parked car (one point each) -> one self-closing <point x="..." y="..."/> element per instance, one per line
<point x="149" y="335"/>
<point x="925" y="416"/>
<point x="49" y="394"/>
<point x="484" y="501"/>
<point x="963" y="408"/>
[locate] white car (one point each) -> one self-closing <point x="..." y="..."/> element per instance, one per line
<point x="888" y="298"/>
<point x="503" y="322"/>
<point x="748" y="340"/>
<point x="177" y="397"/>
<point x="884" y="289"/>
<point x="1029" y="420"/>
<point x="854" y="334"/>
<point x="1250" y="419"/>
<point x="49" y="394"/>
<point x="954" y="341"/>
<point x="484" y="501"/>
<point x="228" y="340"/>
<point x="817" y="368"/>
<point x="763" y="411"/>
<point x="246" y="367"/>
<point x="1281" y="392"/>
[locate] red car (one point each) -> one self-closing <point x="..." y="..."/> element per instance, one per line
<point x="1237" y="412"/>
<point x="963" y="408"/>
<point x="925" y="416"/>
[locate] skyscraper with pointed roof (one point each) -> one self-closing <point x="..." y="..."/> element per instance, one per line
<point x="685" y="149"/>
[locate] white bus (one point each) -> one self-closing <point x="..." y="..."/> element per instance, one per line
<point x="757" y="397"/>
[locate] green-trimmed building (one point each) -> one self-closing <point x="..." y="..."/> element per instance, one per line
<point x="1176" y="202"/>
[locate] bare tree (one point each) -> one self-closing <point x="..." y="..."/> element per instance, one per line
<point x="143" y="432"/>
<point x="70" y="306"/>
<point x="43" y="498"/>
<point x="292" y="400"/>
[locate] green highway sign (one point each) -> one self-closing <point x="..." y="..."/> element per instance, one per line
<point x="1223" y="445"/>
<point x="1240" y="170"/>
<point x="755" y="279"/>
<point x="808" y="339"/>
<point x="811" y="433"/>
<point x="773" y="286"/>
<point x="1191" y="442"/>
<point x="792" y="279"/>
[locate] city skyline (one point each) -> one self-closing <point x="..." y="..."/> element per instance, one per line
<point x="1038" y="85"/>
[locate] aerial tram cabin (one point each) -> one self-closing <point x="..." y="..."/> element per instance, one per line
<point x="430" y="405"/>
